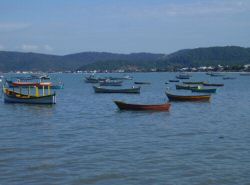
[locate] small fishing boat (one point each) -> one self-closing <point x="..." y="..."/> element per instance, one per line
<point x="12" y="96"/>
<point x="142" y="83"/>
<point x="174" y="80"/>
<point x="213" y="84"/>
<point x="194" y="83"/>
<point x="172" y="97"/>
<point x="135" y="90"/>
<point x="59" y="85"/>
<point x="245" y="74"/>
<point x="182" y="76"/>
<point x="93" y="79"/>
<point x="216" y="74"/>
<point x="229" y="78"/>
<point x="203" y="90"/>
<point x="125" y="77"/>
<point x="142" y="107"/>
<point x="186" y="87"/>
<point x="111" y="83"/>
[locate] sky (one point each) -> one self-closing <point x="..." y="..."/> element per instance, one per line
<point x="122" y="26"/>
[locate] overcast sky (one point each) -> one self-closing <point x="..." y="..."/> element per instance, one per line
<point x="122" y="26"/>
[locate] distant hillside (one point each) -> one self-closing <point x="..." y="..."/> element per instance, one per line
<point x="229" y="55"/>
<point x="13" y="61"/>
<point x="212" y="56"/>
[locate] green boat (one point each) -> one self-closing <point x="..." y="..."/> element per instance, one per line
<point x="201" y="90"/>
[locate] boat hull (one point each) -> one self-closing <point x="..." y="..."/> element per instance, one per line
<point x="104" y="90"/>
<point x="186" y="87"/>
<point x="216" y="85"/>
<point x="139" y="107"/>
<point x="142" y="83"/>
<point x="172" y="97"/>
<point x="49" y="99"/>
<point x="204" y="90"/>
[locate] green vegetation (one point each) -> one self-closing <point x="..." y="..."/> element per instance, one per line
<point x="231" y="56"/>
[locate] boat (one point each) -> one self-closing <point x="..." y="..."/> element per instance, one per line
<point x="245" y="74"/>
<point x="125" y="77"/>
<point x="110" y="83"/>
<point x="213" y="84"/>
<point x="142" y="107"/>
<point x="174" y="80"/>
<point x="172" y="97"/>
<point x="182" y="76"/>
<point x="194" y="83"/>
<point x="12" y="96"/>
<point x="93" y="79"/>
<point x="142" y="83"/>
<point x="186" y="87"/>
<point x="216" y="74"/>
<point x="229" y="78"/>
<point x="59" y="85"/>
<point x="135" y="90"/>
<point x="203" y="90"/>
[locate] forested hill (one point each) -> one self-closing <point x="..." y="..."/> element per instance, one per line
<point x="229" y="55"/>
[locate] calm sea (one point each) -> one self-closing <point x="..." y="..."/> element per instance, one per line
<point x="85" y="139"/>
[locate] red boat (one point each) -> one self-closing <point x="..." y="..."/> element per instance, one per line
<point x="140" y="107"/>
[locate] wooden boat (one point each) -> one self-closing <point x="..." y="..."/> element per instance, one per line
<point x="245" y="74"/>
<point x="142" y="83"/>
<point x="194" y="83"/>
<point x="93" y="79"/>
<point x="213" y="84"/>
<point x="105" y="90"/>
<point x="203" y="90"/>
<point x="229" y="78"/>
<point x="12" y="96"/>
<point x="40" y="85"/>
<point x="216" y="74"/>
<point x="174" y="80"/>
<point x="182" y="76"/>
<point x="186" y="87"/>
<point x="140" y="107"/>
<point x="111" y="83"/>
<point x="173" y="97"/>
<point x="126" y="77"/>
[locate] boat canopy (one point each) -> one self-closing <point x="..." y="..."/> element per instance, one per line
<point x="25" y="84"/>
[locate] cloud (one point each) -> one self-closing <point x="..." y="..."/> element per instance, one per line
<point x="13" y="26"/>
<point x="194" y="8"/>
<point x="29" y="47"/>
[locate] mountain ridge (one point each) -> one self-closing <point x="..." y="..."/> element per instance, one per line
<point x="30" y="61"/>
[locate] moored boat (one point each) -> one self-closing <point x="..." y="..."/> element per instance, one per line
<point x="135" y="90"/>
<point x="142" y="83"/>
<point x="173" y="97"/>
<point x="245" y="74"/>
<point x="213" y="84"/>
<point x="182" y="76"/>
<point x="110" y="83"/>
<point x="229" y="78"/>
<point x="194" y="83"/>
<point x="203" y="90"/>
<point x="174" y="80"/>
<point x="125" y="77"/>
<point x="142" y="107"/>
<point x="12" y="96"/>
<point x="186" y="87"/>
<point x="216" y="74"/>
